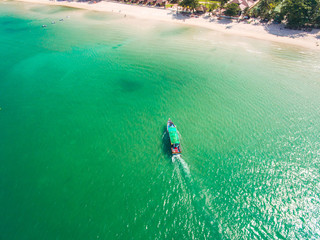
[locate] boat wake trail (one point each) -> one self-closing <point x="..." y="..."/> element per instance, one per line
<point x="188" y="197"/>
<point x="185" y="166"/>
<point x="194" y="199"/>
<point x="164" y="134"/>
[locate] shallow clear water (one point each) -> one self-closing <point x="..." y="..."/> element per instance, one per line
<point x="83" y="148"/>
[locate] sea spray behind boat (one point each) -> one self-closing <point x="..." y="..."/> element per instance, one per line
<point x="192" y="194"/>
<point x="185" y="166"/>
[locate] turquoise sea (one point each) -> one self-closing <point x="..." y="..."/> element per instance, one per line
<point x="83" y="149"/>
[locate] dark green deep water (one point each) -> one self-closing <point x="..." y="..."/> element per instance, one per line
<point x="83" y="148"/>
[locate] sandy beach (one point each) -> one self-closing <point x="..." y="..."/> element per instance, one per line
<point x="254" y="29"/>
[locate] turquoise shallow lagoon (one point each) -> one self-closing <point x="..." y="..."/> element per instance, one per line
<point x="83" y="148"/>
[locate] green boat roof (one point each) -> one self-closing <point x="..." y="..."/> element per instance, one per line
<point x="173" y="134"/>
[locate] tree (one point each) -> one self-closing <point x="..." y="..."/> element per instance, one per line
<point x="233" y="9"/>
<point x="254" y="13"/>
<point x="192" y="4"/>
<point x="212" y="7"/>
<point x="314" y="13"/>
<point x="265" y="8"/>
<point x="299" y="12"/>
<point x="222" y="3"/>
<point x="246" y="11"/>
<point x="317" y="20"/>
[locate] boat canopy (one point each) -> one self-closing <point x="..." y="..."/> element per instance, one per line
<point x="174" y="137"/>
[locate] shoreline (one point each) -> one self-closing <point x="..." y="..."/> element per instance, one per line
<point x="267" y="32"/>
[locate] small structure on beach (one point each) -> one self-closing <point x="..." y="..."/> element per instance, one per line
<point x="243" y="4"/>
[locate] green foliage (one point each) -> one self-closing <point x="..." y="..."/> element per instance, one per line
<point x="300" y="13"/>
<point x="209" y="2"/>
<point x="222" y="3"/>
<point x="266" y="8"/>
<point x="277" y="17"/>
<point x="254" y="13"/>
<point x="192" y="4"/>
<point x="232" y="9"/>
<point x="297" y="13"/>
<point x="246" y="11"/>
<point x="212" y="7"/>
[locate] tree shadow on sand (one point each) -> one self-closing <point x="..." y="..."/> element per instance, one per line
<point x="179" y="16"/>
<point x="224" y="21"/>
<point x="274" y="29"/>
<point x="182" y="17"/>
<point x="280" y="31"/>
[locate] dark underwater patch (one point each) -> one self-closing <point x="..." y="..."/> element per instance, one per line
<point x="14" y="25"/>
<point x="129" y="86"/>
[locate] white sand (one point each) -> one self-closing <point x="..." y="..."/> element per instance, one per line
<point x="270" y="32"/>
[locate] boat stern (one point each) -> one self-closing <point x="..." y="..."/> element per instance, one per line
<point x="175" y="149"/>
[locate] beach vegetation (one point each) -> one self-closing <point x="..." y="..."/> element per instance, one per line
<point x="232" y="9"/>
<point x="246" y="11"/>
<point x="222" y="4"/>
<point x="209" y="2"/>
<point x="301" y="13"/>
<point x="189" y="4"/>
<point x="265" y="9"/>
<point x="296" y="14"/>
<point x="277" y="17"/>
<point x="211" y="7"/>
<point x="253" y="13"/>
<point x="317" y="21"/>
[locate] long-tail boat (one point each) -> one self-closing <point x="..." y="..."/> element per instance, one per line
<point x="174" y="138"/>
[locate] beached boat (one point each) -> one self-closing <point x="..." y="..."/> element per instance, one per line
<point x="174" y="138"/>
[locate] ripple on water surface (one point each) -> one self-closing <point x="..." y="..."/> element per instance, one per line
<point x="85" y="149"/>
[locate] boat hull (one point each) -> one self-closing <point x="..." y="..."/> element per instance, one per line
<point x="174" y="138"/>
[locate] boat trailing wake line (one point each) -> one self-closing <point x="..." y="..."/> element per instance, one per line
<point x="185" y="166"/>
<point x="175" y="158"/>
<point x="194" y="198"/>
<point x="163" y="135"/>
